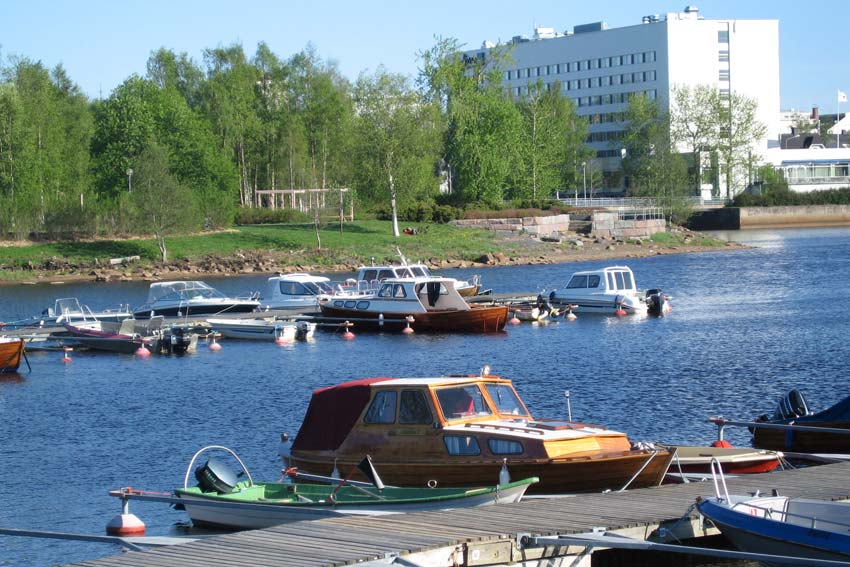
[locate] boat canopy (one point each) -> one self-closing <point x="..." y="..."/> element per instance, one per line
<point x="615" y="278"/>
<point x="332" y="413"/>
<point x="188" y="290"/>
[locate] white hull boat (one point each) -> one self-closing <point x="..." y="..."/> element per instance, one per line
<point x="609" y="291"/>
<point x="263" y="329"/>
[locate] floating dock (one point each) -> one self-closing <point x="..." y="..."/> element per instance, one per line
<point x="490" y="535"/>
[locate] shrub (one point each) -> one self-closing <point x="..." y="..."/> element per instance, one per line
<point x="271" y="216"/>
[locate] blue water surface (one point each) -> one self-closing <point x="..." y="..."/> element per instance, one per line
<point x="747" y="326"/>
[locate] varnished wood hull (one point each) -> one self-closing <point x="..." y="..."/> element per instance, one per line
<point x="804" y="441"/>
<point x="557" y="476"/>
<point x="478" y="319"/>
<point x="10" y="355"/>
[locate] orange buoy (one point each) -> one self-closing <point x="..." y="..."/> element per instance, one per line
<point x="143" y="352"/>
<point x="347" y="335"/>
<point x="514" y="320"/>
<point x="125" y="524"/>
<point x="722" y="443"/>
<point x="66" y="358"/>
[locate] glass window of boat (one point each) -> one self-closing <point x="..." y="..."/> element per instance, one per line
<point x="461" y="445"/>
<point x="577" y="282"/>
<point x="420" y="271"/>
<point x="370" y="275"/>
<point x="612" y="285"/>
<point x="298" y="288"/>
<point x="413" y="408"/>
<point x="505" y="447"/>
<point x="382" y="408"/>
<point x="593" y="281"/>
<point x="384" y="274"/>
<point x="462" y="401"/>
<point x="386" y="290"/>
<point x="506" y="399"/>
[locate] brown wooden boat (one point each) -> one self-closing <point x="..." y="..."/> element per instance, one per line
<point x="11" y="353"/>
<point x="424" y="303"/>
<point x="462" y="431"/>
<point x="792" y="410"/>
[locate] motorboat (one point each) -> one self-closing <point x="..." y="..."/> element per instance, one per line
<point x="268" y="328"/>
<point x="611" y="290"/>
<point x="465" y="430"/>
<point x="297" y="292"/>
<point x="11" y="353"/>
<point x="424" y="303"/>
<point x="792" y="410"/>
<point x="222" y="500"/>
<point x="128" y="336"/>
<point x="372" y="277"/>
<point x="191" y="299"/>
<point x="68" y="309"/>
<point x="692" y="462"/>
<point x="778" y="525"/>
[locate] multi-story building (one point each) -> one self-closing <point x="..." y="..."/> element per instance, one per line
<point x="599" y="68"/>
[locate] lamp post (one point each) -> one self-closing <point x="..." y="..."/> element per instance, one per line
<point x="129" y="180"/>
<point x="584" y="179"/>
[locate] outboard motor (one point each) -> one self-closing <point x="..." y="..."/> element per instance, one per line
<point x="791" y="406"/>
<point x="214" y="476"/>
<point x="656" y="302"/>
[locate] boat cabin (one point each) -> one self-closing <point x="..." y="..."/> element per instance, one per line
<point x="406" y="295"/>
<point x="294" y="290"/>
<point x="614" y="279"/>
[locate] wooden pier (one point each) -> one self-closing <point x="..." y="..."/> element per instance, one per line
<point x="492" y="535"/>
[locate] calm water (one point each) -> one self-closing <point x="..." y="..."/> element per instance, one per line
<point x="747" y="325"/>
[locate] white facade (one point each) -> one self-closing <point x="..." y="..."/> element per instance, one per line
<point x="599" y="68"/>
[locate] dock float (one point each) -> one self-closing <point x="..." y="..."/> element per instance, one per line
<point x="491" y="535"/>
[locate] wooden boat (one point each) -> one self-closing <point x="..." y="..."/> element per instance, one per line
<point x="221" y="500"/>
<point x="433" y="303"/>
<point x="374" y="276"/>
<point x="779" y="525"/>
<point x="695" y="462"/>
<point x="609" y="291"/>
<point x="11" y="353"/>
<point x="793" y="410"/>
<point x="462" y="431"/>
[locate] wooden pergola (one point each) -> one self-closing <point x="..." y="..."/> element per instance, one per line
<point x="301" y="199"/>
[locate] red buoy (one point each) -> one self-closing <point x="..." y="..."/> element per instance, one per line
<point x="347" y="335"/>
<point x="214" y="345"/>
<point x="514" y="320"/>
<point x="143" y="352"/>
<point x="66" y="358"/>
<point x="723" y="443"/>
<point x="125" y="523"/>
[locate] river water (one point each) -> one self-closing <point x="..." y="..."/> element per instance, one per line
<point x="747" y="326"/>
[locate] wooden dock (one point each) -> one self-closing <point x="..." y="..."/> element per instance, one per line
<point x="489" y="535"/>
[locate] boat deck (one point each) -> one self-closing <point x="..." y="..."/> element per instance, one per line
<point x="478" y="536"/>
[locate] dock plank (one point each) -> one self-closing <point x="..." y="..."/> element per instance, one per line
<point x="348" y="540"/>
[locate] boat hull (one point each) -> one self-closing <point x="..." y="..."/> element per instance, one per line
<point x="11" y="353"/>
<point x="757" y="534"/>
<point x="804" y="441"/>
<point x="557" y="476"/>
<point x="196" y="310"/>
<point x="697" y="460"/>
<point x="478" y="319"/>
<point x="215" y="512"/>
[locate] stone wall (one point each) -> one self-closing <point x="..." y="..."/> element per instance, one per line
<point x="608" y="225"/>
<point x="539" y="226"/>
<point x="734" y="218"/>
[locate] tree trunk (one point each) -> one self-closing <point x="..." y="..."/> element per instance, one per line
<point x="163" y="251"/>
<point x="316" y="225"/>
<point x="393" y="206"/>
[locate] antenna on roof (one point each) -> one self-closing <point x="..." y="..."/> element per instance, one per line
<point x="400" y="255"/>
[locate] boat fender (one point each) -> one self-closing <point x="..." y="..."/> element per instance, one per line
<point x="722" y="443"/>
<point x="432" y="483"/>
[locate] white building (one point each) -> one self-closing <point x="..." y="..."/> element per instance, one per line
<point x="599" y="68"/>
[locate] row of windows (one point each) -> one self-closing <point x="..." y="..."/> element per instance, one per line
<point x="606" y="117"/>
<point x="609" y="136"/>
<point x="613" y="98"/>
<point x="609" y="80"/>
<point x="582" y="65"/>
<point x="608" y="153"/>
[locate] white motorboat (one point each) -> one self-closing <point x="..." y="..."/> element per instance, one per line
<point x="297" y="292"/>
<point x="191" y="299"/>
<point x="263" y="329"/>
<point x="611" y="290"/>
<point x="371" y="277"/>
<point x="69" y="310"/>
<point x="779" y="525"/>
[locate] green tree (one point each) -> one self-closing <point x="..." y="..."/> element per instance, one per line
<point x="396" y="150"/>
<point x="161" y="204"/>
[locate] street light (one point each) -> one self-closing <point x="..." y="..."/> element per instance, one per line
<point x="584" y="176"/>
<point x="129" y="180"/>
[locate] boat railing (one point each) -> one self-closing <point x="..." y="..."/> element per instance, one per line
<point x="722" y="422"/>
<point x="803" y="520"/>
<point x="719" y="480"/>
<point x="210" y="448"/>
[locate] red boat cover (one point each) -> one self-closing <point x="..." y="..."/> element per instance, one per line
<point x="332" y="413"/>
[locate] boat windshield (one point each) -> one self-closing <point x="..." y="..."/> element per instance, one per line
<point x="462" y="401"/>
<point x="304" y="288"/>
<point x="183" y="291"/>
<point x="506" y="399"/>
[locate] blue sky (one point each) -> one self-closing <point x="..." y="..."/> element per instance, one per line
<point x="101" y="43"/>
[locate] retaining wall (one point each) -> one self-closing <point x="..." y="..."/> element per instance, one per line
<point x="540" y="226"/>
<point x="608" y="225"/>
<point x="734" y="218"/>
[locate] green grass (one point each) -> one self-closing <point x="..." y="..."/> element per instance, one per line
<point x="673" y="239"/>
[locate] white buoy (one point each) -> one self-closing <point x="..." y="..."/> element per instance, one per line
<point x="504" y="475"/>
<point x="570" y="315"/>
<point x="514" y="320"/>
<point x="125" y="524"/>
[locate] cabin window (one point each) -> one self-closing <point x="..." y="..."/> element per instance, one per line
<point x="627" y="278"/>
<point x="369" y="275"/>
<point x="384" y="274"/>
<point x="386" y="290"/>
<point x="339" y="303"/>
<point x="293" y="288"/>
<point x="506" y="399"/>
<point x="414" y="408"/>
<point x="362" y="305"/>
<point x="593" y="281"/>
<point x="461" y="445"/>
<point x="420" y="271"/>
<point x="462" y="401"/>
<point x="399" y="291"/>
<point x="577" y="282"/>
<point x="612" y="285"/>
<point x="350" y="304"/>
<point x="382" y="409"/>
<point x="504" y="447"/>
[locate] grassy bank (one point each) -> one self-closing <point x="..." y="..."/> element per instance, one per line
<point x="289" y="245"/>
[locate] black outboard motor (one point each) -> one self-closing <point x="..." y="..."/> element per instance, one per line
<point x="791" y="406"/>
<point x="655" y="302"/>
<point x="214" y="476"/>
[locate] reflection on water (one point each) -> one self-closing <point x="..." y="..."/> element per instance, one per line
<point x="746" y="327"/>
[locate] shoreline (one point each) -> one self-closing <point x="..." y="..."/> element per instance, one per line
<point x="260" y="262"/>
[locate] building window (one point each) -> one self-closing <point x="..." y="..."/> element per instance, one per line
<point x="650" y="75"/>
<point x="723" y="55"/>
<point x="723" y="36"/>
<point x="542" y="71"/>
<point x="649" y="56"/>
<point x="724" y="75"/>
<point x="592" y="63"/>
<point x="626" y="78"/>
<point x="516" y="91"/>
